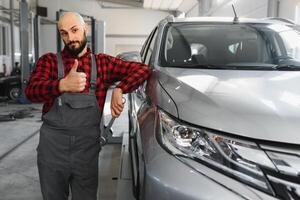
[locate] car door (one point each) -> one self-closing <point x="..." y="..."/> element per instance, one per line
<point x="137" y="99"/>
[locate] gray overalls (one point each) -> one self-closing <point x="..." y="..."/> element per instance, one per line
<point x="69" y="144"/>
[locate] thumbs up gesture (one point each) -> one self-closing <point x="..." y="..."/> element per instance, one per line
<point x="74" y="81"/>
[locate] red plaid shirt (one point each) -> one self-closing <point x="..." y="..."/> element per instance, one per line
<point x="43" y="83"/>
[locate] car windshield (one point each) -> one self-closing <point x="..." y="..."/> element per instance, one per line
<point x="231" y="46"/>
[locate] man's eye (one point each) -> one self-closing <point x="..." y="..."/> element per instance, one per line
<point x="63" y="34"/>
<point x="74" y="30"/>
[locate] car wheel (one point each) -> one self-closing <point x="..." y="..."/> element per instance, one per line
<point x="13" y="93"/>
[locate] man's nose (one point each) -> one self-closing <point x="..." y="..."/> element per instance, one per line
<point x="71" y="37"/>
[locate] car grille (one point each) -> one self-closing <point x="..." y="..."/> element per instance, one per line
<point x="285" y="180"/>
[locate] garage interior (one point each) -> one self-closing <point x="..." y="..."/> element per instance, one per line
<point x="28" y="27"/>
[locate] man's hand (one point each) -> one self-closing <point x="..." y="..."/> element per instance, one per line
<point x="116" y="105"/>
<point x="74" y="81"/>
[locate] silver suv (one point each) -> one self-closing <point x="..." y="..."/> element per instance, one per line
<point x="220" y="116"/>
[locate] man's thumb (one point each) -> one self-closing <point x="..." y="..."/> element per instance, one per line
<point x="74" y="68"/>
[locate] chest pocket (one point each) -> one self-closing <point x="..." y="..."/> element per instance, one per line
<point x="77" y="104"/>
<point x="79" y="110"/>
<point x="75" y="110"/>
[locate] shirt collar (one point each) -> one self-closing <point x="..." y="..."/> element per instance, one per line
<point x="66" y="53"/>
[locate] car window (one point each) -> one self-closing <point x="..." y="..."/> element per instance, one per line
<point x="146" y="44"/>
<point x="150" y="48"/>
<point x="144" y="47"/>
<point x="232" y="45"/>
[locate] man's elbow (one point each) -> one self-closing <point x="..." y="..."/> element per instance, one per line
<point x="29" y="93"/>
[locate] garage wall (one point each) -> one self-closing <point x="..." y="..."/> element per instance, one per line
<point x="127" y="23"/>
<point x="124" y="44"/>
<point x="249" y="8"/>
<point x="253" y="8"/>
<point x="194" y="11"/>
<point x="289" y="9"/>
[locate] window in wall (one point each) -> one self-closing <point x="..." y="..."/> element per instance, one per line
<point x="121" y="48"/>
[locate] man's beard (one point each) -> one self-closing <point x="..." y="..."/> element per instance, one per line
<point x="75" y="51"/>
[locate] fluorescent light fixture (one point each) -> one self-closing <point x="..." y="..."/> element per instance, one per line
<point x="162" y="4"/>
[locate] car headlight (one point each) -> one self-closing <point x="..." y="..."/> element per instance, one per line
<point x="240" y="159"/>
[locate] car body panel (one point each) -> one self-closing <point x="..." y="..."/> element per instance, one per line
<point x="231" y="20"/>
<point x="166" y="177"/>
<point x="269" y="109"/>
<point x="158" y="95"/>
<point x="259" y="105"/>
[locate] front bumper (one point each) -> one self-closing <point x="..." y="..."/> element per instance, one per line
<point x="169" y="178"/>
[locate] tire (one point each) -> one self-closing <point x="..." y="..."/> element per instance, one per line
<point x="14" y="93"/>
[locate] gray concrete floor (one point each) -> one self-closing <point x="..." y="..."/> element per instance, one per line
<point x="18" y="171"/>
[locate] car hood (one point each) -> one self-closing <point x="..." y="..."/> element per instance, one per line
<point x="257" y="104"/>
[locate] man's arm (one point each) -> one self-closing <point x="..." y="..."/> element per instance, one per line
<point x="130" y="74"/>
<point x="43" y="85"/>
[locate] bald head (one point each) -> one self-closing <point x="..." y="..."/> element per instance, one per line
<point x="70" y="17"/>
<point x="73" y="30"/>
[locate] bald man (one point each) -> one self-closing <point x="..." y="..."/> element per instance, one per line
<point x="73" y="85"/>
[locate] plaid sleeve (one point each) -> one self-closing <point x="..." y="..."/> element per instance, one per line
<point x="130" y="74"/>
<point x="43" y="83"/>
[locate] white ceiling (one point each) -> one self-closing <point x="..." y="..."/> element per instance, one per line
<point x="166" y="5"/>
<point x="162" y="4"/>
<point x="170" y="5"/>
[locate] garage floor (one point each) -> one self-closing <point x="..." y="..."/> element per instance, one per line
<point x="18" y="141"/>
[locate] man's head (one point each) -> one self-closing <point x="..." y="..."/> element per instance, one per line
<point x="73" y="31"/>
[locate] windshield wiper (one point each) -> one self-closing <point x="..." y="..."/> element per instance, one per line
<point x="241" y="67"/>
<point x="204" y="66"/>
<point x="287" y="67"/>
<point x="228" y="66"/>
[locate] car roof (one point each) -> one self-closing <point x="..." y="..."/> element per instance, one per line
<point x="230" y="20"/>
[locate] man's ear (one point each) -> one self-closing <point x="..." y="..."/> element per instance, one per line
<point x="86" y="28"/>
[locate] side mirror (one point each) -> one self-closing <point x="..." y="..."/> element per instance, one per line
<point x="134" y="56"/>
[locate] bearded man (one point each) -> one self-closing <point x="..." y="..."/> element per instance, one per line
<point x="73" y="85"/>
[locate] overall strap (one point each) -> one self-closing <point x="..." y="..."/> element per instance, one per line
<point x="60" y="66"/>
<point x="93" y="73"/>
